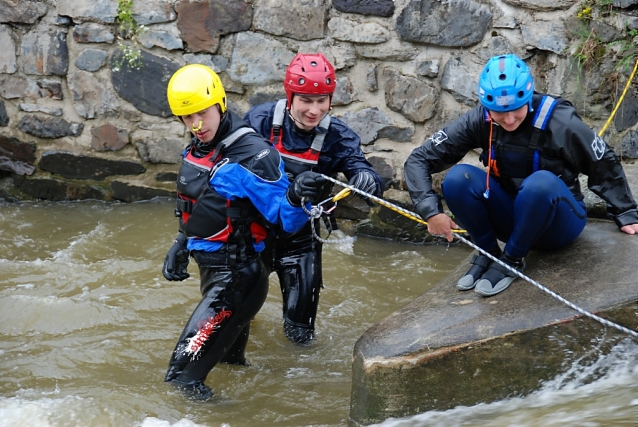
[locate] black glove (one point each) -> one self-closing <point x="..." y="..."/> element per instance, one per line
<point x="307" y="184"/>
<point x="176" y="260"/>
<point x="364" y="181"/>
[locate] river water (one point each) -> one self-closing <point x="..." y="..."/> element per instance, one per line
<point x="88" y="323"/>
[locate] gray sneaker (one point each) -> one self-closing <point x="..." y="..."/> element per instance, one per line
<point x="496" y="279"/>
<point x="479" y="263"/>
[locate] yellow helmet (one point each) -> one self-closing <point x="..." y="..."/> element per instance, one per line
<point x="194" y="88"/>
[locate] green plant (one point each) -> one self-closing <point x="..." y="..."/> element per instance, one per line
<point x="130" y="53"/>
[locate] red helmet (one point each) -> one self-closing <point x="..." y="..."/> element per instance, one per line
<point x="309" y="74"/>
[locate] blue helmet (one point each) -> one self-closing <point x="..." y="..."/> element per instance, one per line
<point x="505" y="84"/>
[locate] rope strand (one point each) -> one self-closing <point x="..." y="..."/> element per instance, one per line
<point x="417" y="218"/>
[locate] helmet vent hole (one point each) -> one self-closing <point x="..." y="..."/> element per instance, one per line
<point x="502" y="77"/>
<point x="490" y="98"/>
<point x="520" y="94"/>
<point x="313" y="63"/>
<point x="328" y="81"/>
<point x="302" y="80"/>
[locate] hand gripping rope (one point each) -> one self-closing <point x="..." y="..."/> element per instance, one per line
<point x="418" y="219"/>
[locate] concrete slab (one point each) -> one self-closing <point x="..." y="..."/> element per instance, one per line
<point x="450" y="348"/>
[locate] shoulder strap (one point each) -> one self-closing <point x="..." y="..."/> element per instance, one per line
<point x="278" y="116"/>
<point x="230" y="139"/>
<point x="542" y="116"/>
<point x="320" y="136"/>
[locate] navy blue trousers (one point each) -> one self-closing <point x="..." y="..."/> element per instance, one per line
<point x="543" y="215"/>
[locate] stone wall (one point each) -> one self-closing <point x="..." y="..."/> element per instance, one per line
<point x="77" y="121"/>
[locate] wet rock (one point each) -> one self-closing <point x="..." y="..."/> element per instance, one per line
<point x="166" y="177"/>
<point x="16" y="156"/>
<point x="383" y="8"/>
<point x="72" y="166"/>
<point x="56" y="190"/>
<point x="49" y="127"/>
<point x="131" y="193"/>
<point x="450" y="348"/>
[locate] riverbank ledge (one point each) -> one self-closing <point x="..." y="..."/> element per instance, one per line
<point x="451" y="348"/>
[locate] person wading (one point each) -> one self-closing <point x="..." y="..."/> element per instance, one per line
<point x="231" y="189"/>
<point x="309" y="139"/>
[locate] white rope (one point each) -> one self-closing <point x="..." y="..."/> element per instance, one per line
<point x="493" y="258"/>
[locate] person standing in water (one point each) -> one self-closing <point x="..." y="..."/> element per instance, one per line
<point x="231" y="188"/>
<point x="309" y="139"/>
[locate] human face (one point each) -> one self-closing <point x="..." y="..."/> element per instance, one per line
<point x="204" y="124"/>
<point x="510" y="120"/>
<point x="308" y="110"/>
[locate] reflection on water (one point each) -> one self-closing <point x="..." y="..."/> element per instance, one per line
<point x="88" y="323"/>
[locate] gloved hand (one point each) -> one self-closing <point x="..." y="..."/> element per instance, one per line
<point x="364" y="181"/>
<point x="176" y="260"/>
<point x="307" y="184"/>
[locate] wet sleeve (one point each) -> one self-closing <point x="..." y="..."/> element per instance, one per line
<point x="265" y="184"/>
<point x="592" y="156"/>
<point x="439" y="152"/>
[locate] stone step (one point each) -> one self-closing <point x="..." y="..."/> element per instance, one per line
<point x="450" y="348"/>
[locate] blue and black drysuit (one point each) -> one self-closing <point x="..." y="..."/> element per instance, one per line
<point x="534" y="198"/>
<point x="229" y="191"/>
<point x="330" y="148"/>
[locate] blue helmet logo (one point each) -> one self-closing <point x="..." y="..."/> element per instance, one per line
<point x="505" y="84"/>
